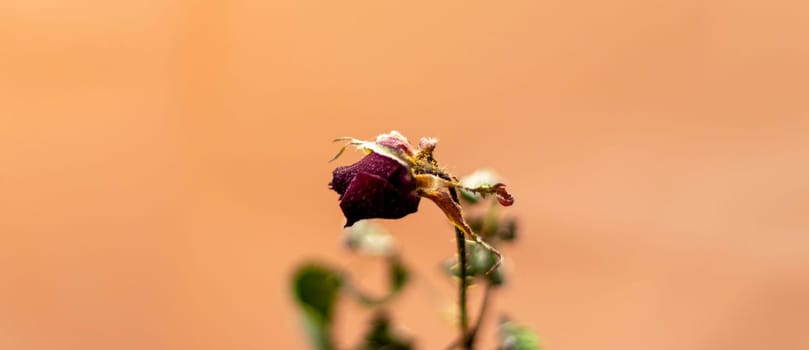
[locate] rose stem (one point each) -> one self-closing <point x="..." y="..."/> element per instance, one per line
<point x="459" y="236"/>
<point x="470" y="339"/>
<point x="464" y="318"/>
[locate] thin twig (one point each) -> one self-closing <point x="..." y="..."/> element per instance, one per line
<point x="464" y="318"/>
<point x="460" y="238"/>
<point x="468" y="336"/>
<point x="470" y="339"/>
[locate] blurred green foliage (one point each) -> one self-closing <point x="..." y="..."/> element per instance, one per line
<point x="316" y="287"/>
<point x="514" y="336"/>
<point x="380" y="336"/>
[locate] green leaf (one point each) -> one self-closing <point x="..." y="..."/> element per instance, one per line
<point x="381" y="337"/>
<point x="316" y="287"/>
<point x="453" y="268"/>
<point x="470" y="197"/>
<point x="514" y="336"/>
<point x="496" y="278"/>
<point x="481" y="259"/>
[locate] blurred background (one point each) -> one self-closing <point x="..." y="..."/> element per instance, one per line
<point x="165" y="166"/>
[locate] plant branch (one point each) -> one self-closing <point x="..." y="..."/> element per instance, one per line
<point x="460" y="239"/>
<point x="469" y="341"/>
<point x="463" y="314"/>
<point x="470" y="338"/>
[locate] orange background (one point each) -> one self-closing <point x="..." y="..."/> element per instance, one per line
<point x="164" y="166"/>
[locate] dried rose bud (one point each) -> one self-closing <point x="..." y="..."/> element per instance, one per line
<point x="375" y="187"/>
<point x="392" y="177"/>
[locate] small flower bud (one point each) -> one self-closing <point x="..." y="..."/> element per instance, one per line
<point x="375" y="187"/>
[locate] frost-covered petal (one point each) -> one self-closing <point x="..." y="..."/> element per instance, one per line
<point x="396" y="142"/>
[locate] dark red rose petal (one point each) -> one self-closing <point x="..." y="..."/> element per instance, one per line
<point x="372" y="163"/>
<point x="370" y="196"/>
<point x="396" y="143"/>
<point x="375" y="187"/>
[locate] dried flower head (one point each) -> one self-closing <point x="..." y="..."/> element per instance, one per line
<point x="390" y="180"/>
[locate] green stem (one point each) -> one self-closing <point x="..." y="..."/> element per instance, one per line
<point x="464" y="318"/>
<point x="469" y="342"/>
<point x="463" y="285"/>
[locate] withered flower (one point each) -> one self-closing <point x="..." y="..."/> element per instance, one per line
<point x="389" y="181"/>
<point x="375" y="187"/>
